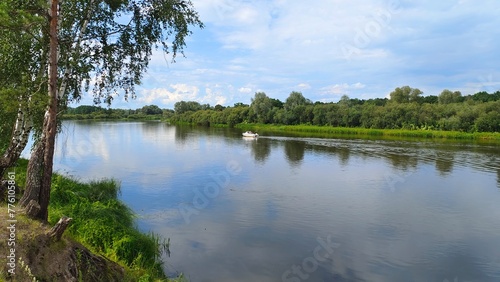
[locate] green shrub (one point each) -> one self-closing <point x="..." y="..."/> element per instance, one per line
<point x="104" y="224"/>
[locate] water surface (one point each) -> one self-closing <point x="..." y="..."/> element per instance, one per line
<point x="300" y="209"/>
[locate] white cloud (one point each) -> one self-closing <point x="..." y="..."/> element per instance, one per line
<point x="278" y="46"/>
<point x="358" y="85"/>
<point x="245" y="90"/>
<point x="165" y="96"/>
<point x="304" y="86"/>
<point x="341" y="89"/>
<point x="213" y="97"/>
<point x="182" y="92"/>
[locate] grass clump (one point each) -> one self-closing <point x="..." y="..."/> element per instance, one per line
<point x="105" y="225"/>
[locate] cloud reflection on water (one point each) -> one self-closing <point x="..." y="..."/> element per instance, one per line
<point x="438" y="220"/>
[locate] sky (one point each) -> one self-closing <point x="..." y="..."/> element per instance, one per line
<point x="325" y="49"/>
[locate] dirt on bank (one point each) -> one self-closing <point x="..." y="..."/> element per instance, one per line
<point x="29" y="254"/>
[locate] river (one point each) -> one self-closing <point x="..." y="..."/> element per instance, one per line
<point x="295" y="209"/>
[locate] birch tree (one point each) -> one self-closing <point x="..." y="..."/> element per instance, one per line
<point x="22" y="76"/>
<point x="101" y="47"/>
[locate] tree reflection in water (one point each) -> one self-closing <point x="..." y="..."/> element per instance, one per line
<point x="294" y="151"/>
<point x="261" y="148"/>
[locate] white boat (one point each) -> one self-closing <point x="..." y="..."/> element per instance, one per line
<point x="250" y="134"/>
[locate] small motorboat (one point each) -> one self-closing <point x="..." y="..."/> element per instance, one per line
<point x="250" y="134"/>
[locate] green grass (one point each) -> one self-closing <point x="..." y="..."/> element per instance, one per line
<point x="104" y="224"/>
<point x="329" y="131"/>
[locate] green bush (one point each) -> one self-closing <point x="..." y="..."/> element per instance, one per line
<point x="105" y="224"/>
<point x="489" y="122"/>
<point x="460" y="115"/>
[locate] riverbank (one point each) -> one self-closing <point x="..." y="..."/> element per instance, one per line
<point x="333" y="132"/>
<point x="304" y="130"/>
<point x="104" y="117"/>
<point x="102" y="241"/>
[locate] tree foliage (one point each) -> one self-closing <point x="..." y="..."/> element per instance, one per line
<point x="468" y="113"/>
<point x="405" y="94"/>
<point x="294" y="100"/>
<point x="182" y="106"/>
<point x="151" y="110"/>
<point x="114" y="41"/>
<point x="103" y="45"/>
<point x="447" y="97"/>
<point x="262" y="106"/>
<point x="23" y="84"/>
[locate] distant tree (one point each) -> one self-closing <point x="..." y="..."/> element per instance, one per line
<point x="377" y="101"/>
<point x="294" y="107"/>
<point x="488" y="122"/>
<point x="183" y="106"/>
<point x="167" y="113"/>
<point x="262" y="105"/>
<point x="483" y="96"/>
<point x="236" y="115"/>
<point x="295" y="99"/>
<point x="239" y="104"/>
<point x="356" y="101"/>
<point x="405" y="94"/>
<point x="413" y="112"/>
<point x="447" y="97"/>
<point x="277" y="103"/>
<point x="319" y="113"/>
<point x="85" y="109"/>
<point x="219" y="108"/>
<point x="345" y="101"/>
<point x="431" y="99"/>
<point x="151" y="110"/>
<point x="415" y="95"/>
<point x="496" y="95"/>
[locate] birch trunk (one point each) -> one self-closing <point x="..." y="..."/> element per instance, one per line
<point x="42" y="158"/>
<point x="20" y="137"/>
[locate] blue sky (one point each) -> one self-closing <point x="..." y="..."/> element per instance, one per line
<point x="328" y="48"/>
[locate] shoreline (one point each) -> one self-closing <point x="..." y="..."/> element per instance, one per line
<point x="306" y="130"/>
<point x="102" y="225"/>
<point x="417" y="133"/>
<point x="302" y="130"/>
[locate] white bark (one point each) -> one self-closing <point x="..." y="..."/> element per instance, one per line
<point x="20" y="136"/>
<point x="79" y="36"/>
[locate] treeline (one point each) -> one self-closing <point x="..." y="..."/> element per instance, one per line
<point x="96" y="112"/>
<point x="406" y="109"/>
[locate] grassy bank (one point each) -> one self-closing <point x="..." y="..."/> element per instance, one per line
<point x="136" y="117"/>
<point x="104" y="225"/>
<point x="328" y="131"/>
